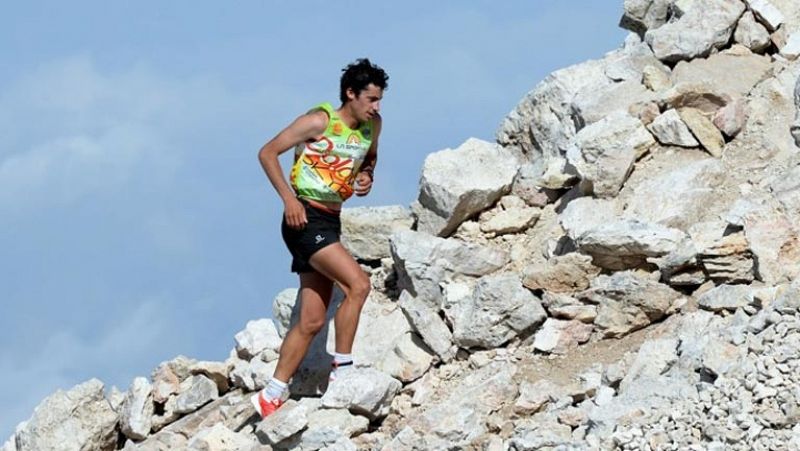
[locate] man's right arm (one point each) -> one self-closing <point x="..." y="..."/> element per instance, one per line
<point x="303" y="128"/>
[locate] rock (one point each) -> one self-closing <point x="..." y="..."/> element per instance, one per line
<point x="704" y="96"/>
<point x="541" y="126"/>
<point x="455" y="184"/>
<point x="630" y="62"/>
<point x="642" y="15"/>
<point x="646" y="112"/>
<point x="677" y="190"/>
<point x="627" y="244"/>
<point x="78" y="419"/>
<point x="216" y="371"/>
<point x="734" y="75"/>
<point x="669" y="129"/>
<point x="586" y="213"/>
<point x="656" y="79"/>
<point x="180" y="367"/>
<point x="282" y="309"/>
<point x="727" y="297"/>
<point x="590" y="106"/>
<point x="257" y="337"/>
<point x="460" y="418"/>
<point x="366" y="230"/>
<point x="423" y="262"/>
<point x="751" y="34"/>
<point x="290" y="419"/>
<point x="719" y="356"/>
<point x="558" y="336"/>
<point x="326" y="427"/>
<point x="729" y="261"/>
<point x="705" y="26"/>
<point x="116" y="398"/>
<point x="704" y="130"/>
<point x="195" y="392"/>
<point x="562" y="274"/>
<point x="137" y="410"/>
<point x="775" y="245"/>
<point x="511" y="221"/>
<point x="252" y="375"/>
<point x="167" y="416"/>
<point x="535" y="395"/>
<point x="160" y="442"/>
<point x="767" y="13"/>
<point x="627" y="302"/>
<point x="731" y="118"/>
<point x="653" y="359"/>
<point x="604" y="152"/>
<point x="407" y="360"/>
<point x="499" y="309"/>
<point x="566" y="307"/>
<point x="429" y="325"/>
<point x="219" y="438"/>
<point x="791" y="50"/>
<point x="795" y="128"/>
<point x="365" y="391"/>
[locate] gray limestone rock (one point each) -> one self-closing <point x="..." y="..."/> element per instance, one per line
<point x="366" y="230"/>
<point x="559" y="336"/>
<point x="604" y="152"/>
<point x="561" y="274"/>
<point x="195" y="392"/>
<point x="455" y="184"/>
<point x="670" y="129"/>
<point x="290" y="419"/>
<point x="751" y="34"/>
<point x="705" y="26"/>
<point x="499" y="309"/>
<point x="79" y="419"/>
<point x="627" y="302"/>
<point x="429" y="325"/>
<point x="136" y="416"/>
<point x="258" y="336"/>
<point x="365" y="391"/>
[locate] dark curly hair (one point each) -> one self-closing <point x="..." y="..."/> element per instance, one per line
<point x="358" y="75"/>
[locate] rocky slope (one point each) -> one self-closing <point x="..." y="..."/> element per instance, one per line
<point x="618" y="271"/>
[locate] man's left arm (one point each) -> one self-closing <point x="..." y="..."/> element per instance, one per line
<point x="366" y="172"/>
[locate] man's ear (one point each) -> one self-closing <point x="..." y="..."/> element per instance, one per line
<point x="351" y="95"/>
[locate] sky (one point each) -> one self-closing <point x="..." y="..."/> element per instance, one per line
<point x="136" y="224"/>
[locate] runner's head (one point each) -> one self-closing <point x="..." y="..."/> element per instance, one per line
<point x="363" y="83"/>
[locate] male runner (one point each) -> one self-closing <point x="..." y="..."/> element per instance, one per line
<point x="335" y="155"/>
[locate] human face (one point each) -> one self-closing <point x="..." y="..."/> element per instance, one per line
<point x="366" y="104"/>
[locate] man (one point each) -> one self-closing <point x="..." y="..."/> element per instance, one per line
<point x="335" y="155"/>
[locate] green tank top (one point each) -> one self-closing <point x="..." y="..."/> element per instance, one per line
<point x="325" y="168"/>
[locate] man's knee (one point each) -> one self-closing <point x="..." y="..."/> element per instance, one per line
<point x="312" y="326"/>
<point x="359" y="289"/>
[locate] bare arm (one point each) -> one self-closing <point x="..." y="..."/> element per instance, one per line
<point x="365" y="174"/>
<point x="302" y="129"/>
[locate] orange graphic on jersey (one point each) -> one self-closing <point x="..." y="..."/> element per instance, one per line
<point x="336" y="172"/>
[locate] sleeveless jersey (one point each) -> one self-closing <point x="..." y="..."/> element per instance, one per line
<point x="325" y="168"/>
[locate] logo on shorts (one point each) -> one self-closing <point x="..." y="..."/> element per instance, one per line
<point x="319" y="238"/>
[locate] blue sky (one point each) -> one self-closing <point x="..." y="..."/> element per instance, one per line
<point x="135" y="221"/>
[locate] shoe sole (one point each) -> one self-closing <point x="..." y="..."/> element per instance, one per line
<point x="256" y="404"/>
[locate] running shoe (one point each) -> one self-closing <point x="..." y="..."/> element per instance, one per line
<point x="265" y="407"/>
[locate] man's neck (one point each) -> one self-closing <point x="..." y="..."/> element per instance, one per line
<point x="347" y="117"/>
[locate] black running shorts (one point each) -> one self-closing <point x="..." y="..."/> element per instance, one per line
<point x="323" y="228"/>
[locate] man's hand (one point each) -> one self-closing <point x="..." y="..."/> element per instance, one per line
<point x="363" y="184"/>
<point x="295" y="213"/>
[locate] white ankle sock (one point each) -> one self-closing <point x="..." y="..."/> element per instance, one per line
<point x="342" y="358"/>
<point x="274" y="389"/>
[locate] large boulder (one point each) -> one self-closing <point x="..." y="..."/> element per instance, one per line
<point x="642" y="15"/>
<point x="423" y="262"/>
<point x="429" y="325"/>
<point x="627" y="302"/>
<point x="365" y="391"/>
<point x="257" y="337"/>
<point x="733" y="73"/>
<point x="366" y="230"/>
<point x="499" y="309"/>
<point x="604" y="152"/>
<point x="136" y="416"/>
<point x="80" y="419"/>
<point x="456" y="184"/>
<point x="627" y="244"/>
<point x="706" y="25"/>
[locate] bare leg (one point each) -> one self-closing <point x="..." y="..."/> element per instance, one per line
<point x="315" y="295"/>
<point x="335" y="263"/>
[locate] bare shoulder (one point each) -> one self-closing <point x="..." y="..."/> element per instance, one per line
<point x="315" y="121"/>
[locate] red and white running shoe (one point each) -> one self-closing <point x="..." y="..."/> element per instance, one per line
<point x="265" y="407"/>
